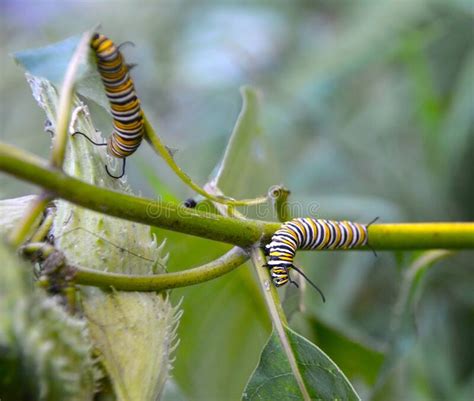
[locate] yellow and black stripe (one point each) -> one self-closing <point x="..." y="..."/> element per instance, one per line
<point x="124" y="103"/>
<point x="309" y="233"/>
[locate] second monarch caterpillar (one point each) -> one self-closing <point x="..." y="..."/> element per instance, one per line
<point x="124" y="103"/>
<point x="309" y="233"/>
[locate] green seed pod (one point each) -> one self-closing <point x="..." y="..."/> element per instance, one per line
<point x="134" y="333"/>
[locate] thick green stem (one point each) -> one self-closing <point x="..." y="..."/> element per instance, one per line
<point x="240" y="232"/>
<point x="43" y="230"/>
<point x="422" y="236"/>
<point x="147" y="211"/>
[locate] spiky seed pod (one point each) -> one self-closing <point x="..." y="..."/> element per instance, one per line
<point x="49" y="350"/>
<point x="133" y="332"/>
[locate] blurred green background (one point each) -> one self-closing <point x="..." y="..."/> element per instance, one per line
<point x="367" y="108"/>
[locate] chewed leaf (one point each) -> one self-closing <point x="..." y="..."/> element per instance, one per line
<point x="245" y="130"/>
<point x="273" y="378"/>
<point x="51" y="62"/>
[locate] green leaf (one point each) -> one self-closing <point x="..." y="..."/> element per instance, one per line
<point x="273" y="378"/>
<point x="246" y="157"/>
<point x="50" y="62"/>
<point x="357" y="357"/>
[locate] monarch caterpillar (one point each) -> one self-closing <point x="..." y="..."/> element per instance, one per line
<point x="124" y="103"/>
<point x="309" y="233"/>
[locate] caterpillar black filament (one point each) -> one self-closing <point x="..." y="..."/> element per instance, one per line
<point x="124" y="103"/>
<point x="309" y="233"/>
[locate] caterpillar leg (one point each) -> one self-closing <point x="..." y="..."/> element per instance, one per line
<point x="90" y="140"/>
<point x="103" y="144"/>
<point x="117" y="176"/>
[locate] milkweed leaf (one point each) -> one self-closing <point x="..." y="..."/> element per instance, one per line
<point x="273" y="378"/>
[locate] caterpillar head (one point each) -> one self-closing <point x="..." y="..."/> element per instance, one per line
<point x="280" y="276"/>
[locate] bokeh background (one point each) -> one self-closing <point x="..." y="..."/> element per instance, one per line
<point x="367" y="109"/>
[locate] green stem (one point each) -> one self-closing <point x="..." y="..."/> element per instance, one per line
<point x="156" y="143"/>
<point x="277" y="315"/>
<point x="43" y="230"/>
<point x="421" y="236"/>
<point x="156" y="282"/>
<point x="124" y="282"/>
<point x="147" y="211"/>
<point x="65" y="103"/>
<point x="240" y="232"/>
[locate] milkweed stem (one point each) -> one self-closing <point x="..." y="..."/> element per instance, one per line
<point x="146" y="282"/>
<point x="239" y="232"/>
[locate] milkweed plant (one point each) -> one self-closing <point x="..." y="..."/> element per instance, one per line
<point x="87" y="310"/>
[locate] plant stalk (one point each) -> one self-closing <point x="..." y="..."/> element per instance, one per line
<point x="158" y="282"/>
<point x="144" y="282"/>
<point x="239" y="232"/>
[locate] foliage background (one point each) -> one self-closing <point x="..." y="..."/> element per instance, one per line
<point x="367" y="111"/>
